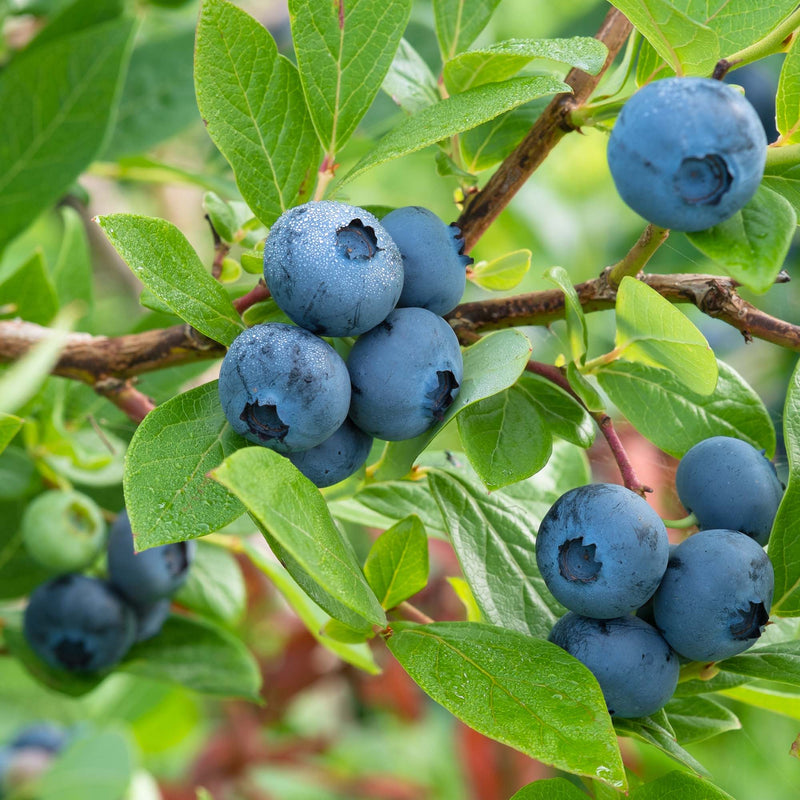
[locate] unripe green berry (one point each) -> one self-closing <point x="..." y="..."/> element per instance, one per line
<point x="63" y="530"/>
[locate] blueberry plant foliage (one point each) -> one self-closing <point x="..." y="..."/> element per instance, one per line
<point x="110" y="411"/>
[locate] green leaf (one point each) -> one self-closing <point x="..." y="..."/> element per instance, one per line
<point x="688" y="46"/>
<point x="788" y="97"/>
<point x="29" y="292"/>
<point x="76" y="17"/>
<point x="650" y="330"/>
<point x="505" y="437"/>
<point x="503" y="273"/>
<point x="312" y="616"/>
<point x="9" y="428"/>
<point x="72" y="272"/>
<point x="215" y="586"/>
<point x="454" y="115"/>
<point x="674" y="419"/>
<point x="164" y="261"/>
<point x="151" y="108"/>
<point x="695" y="719"/>
<point x="773" y="662"/>
<point x="20" y="382"/>
<point x="458" y="22"/>
<point x="505" y="59"/>
<point x="199" y="656"/>
<point x="584" y="388"/>
<point x="95" y="766"/>
<point x="409" y="81"/>
<point x="494" y="541"/>
<point x="783" y="177"/>
<point x="785" y="703"/>
<point x="563" y="415"/>
<point x="255" y="112"/>
<point x="524" y="692"/>
<point x="679" y="785"/>
<point x="738" y="23"/>
<point x="490" y="365"/>
<point x="293" y="515"/>
<point x="550" y="789"/>
<point x="344" y="50"/>
<point x="397" y="564"/>
<point x="573" y="313"/>
<point x="57" y="103"/>
<point x="784" y="543"/>
<point x="167" y="493"/>
<point x="752" y="245"/>
<point x="657" y="732"/>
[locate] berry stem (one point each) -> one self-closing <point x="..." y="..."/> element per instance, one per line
<point x="637" y="257"/>
<point x="773" y="42"/>
<point x="413" y="614"/>
<point x="681" y="524"/>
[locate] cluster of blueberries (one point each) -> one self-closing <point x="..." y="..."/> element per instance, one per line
<point x="687" y="177"/>
<point x="29" y="754"/>
<point x="83" y="624"/>
<point x="336" y="271"/>
<point x="637" y="606"/>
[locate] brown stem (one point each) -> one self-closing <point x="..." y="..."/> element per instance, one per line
<point x="221" y="250"/>
<point x="604" y="423"/>
<point x="126" y="397"/>
<point x="257" y="294"/>
<point x="547" y="131"/>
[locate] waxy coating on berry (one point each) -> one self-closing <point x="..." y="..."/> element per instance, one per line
<point x="405" y="374"/>
<point x="148" y="576"/>
<point x="687" y="153"/>
<point x="602" y="550"/>
<point x="79" y="624"/>
<point x="727" y="483"/>
<point x="337" y="458"/>
<point x="332" y="268"/>
<point x="434" y="264"/>
<point x="283" y="387"/>
<point x="714" y="599"/>
<point x="636" y="669"/>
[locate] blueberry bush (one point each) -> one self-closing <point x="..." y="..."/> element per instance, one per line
<point x="293" y="377"/>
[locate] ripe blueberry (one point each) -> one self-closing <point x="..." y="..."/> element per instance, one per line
<point x="636" y="669"/>
<point x="63" y="530"/>
<point x="43" y="735"/>
<point x="727" y="483"/>
<point x="337" y="458"/>
<point x="150" y="619"/>
<point x="714" y="599"/>
<point x="146" y="577"/>
<point x="79" y="624"/>
<point x="687" y="153"/>
<point x="602" y="550"/>
<point x="332" y="268"/>
<point x="283" y="387"/>
<point x="405" y="374"/>
<point x="434" y="264"/>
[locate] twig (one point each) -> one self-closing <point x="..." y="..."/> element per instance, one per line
<point x="257" y="294"/>
<point x="413" y="614"/>
<point x="547" y="131"/>
<point x="637" y="257"/>
<point x="126" y="397"/>
<point x="221" y="250"/>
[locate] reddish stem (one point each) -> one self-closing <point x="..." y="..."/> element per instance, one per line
<point x="257" y="294"/>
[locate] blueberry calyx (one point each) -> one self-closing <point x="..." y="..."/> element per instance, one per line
<point x="750" y="622"/>
<point x="357" y="240"/>
<point x="703" y="181"/>
<point x="264" y="422"/>
<point x="442" y="395"/>
<point x="577" y="562"/>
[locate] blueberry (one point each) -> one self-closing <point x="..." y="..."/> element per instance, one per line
<point x="332" y="268"/>
<point x="283" y="388"/>
<point x="687" y="153"/>
<point x="63" y="530"/>
<point x="405" y="374"/>
<point x="602" y="550"/>
<point x="79" y="624"/>
<point x="337" y="458"/>
<point x="727" y="483"/>
<point x="760" y="87"/>
<point x="434" y="264"/>
<point x="43" y="735"/>
<point x="151" y="575"/>
<point x="714" y="599"/>
<point x="636" y="669"/>
<point x="150" y="619"/>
